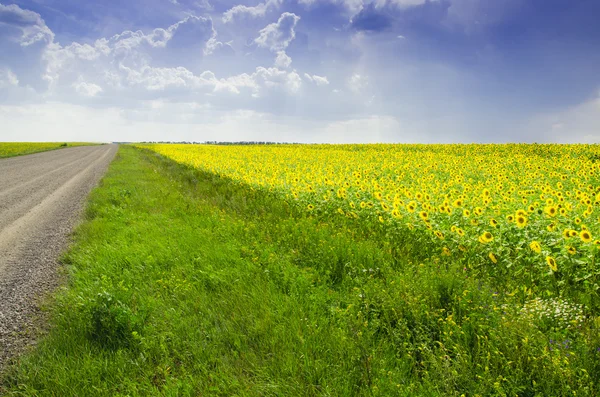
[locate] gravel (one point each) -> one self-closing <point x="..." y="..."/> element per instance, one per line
<point x="41" y="200"/>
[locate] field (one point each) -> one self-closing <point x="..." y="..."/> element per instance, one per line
<point x="10" y="149"/>
<point x="350" y="270"/>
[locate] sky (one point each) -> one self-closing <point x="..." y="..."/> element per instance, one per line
<point x="322" y="71"/>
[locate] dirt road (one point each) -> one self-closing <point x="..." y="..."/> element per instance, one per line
<point x="41" y="198"/>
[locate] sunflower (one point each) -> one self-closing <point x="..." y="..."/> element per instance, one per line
<point x="510" y="218"/>
<point x="385" y="207"/>
<point x="521" y="213"/>
<point x="566" y="233"/>
<point x="493" y="257"/>
<point x="363" y="204"/>
<point x="310" y="207"/>
<point x="597" y="243"/>
<point x="571" y="250"/>
<point x="411" y="207"/>
<point x="352" y="205"/>
<point x="550" y="210"/>
<point x="424" y="215"/>
<point x="551" y="227"/>
<point x="466" y="213"/>
<point x="585" y="236"/>
<point x="381" y="219"/>
<point x="535" y="246"/>
<point x="493" y="222"/>
<point x="439" y="234"/>
<point x="573" y="233"/>
<point x="457" y="203"/>
<point x="551" y="263"/>
<point x="446" y="251"/>
<point x="378" y="195"/>
<point x="486" y="238"/>
<point x="577" y="221"/>
<point x="460" y="232"/>
<point x="521" y="220"/>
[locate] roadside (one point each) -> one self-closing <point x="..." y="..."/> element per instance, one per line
<point x="41" y="199"/>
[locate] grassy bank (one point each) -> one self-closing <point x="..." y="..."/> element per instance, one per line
<point x="11" y="149"/>
<point x="182" y="283"/>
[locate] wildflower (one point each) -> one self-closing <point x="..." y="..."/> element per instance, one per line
<point x="550" y="210"/>
<point x="521" y="220"/>
<point x="486" y="238"/>
<point x="552" y="263"/>
<point x="535" y="247"/>
<point x="585" y="236"/>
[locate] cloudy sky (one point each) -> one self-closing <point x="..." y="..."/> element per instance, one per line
<point x="300" y="70"/>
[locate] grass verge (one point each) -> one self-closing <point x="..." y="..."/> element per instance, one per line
<point x="182" y="283"/>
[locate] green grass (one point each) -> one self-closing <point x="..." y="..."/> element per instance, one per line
<point x="184" y="284"/>
<point x="11" y="149"/>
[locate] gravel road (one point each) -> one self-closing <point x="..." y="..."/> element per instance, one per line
<point x="41" y="199"/>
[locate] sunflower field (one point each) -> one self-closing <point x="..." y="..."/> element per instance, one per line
<point x="530" y="213"/>
<point x="10" y="149"/>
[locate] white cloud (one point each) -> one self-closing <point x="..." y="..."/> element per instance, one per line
<point x="256" y="11"/>
<point x="318" y="80"/>
<point x="282" y="60"/>
<point x="277" y="36"/>
<point x="191" y="121"/>
<point x="87" y="89"/>
<point x="357" y="83"/>
<point x="353" y="7"/>
<point x="8" y="78"/>
<point x="29" y="25"/>
<point x="577" y="124"/>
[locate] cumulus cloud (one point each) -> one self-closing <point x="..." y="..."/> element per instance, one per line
<point x="87" y="89"/>
<point x="252" y="11"/>
<point x="27" y="27"/>
<point x="282" y="60"/>
<point x="277" y="36"/>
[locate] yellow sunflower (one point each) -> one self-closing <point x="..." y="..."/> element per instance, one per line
<point x="486" y="238"/>
<point x="585" y="236"/>
<point x="535" y="246"/>
<point x="551" y="263"/>
<point x="521" y="220"/>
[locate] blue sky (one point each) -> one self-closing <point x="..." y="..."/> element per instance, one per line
<point x="301" y="70"/>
